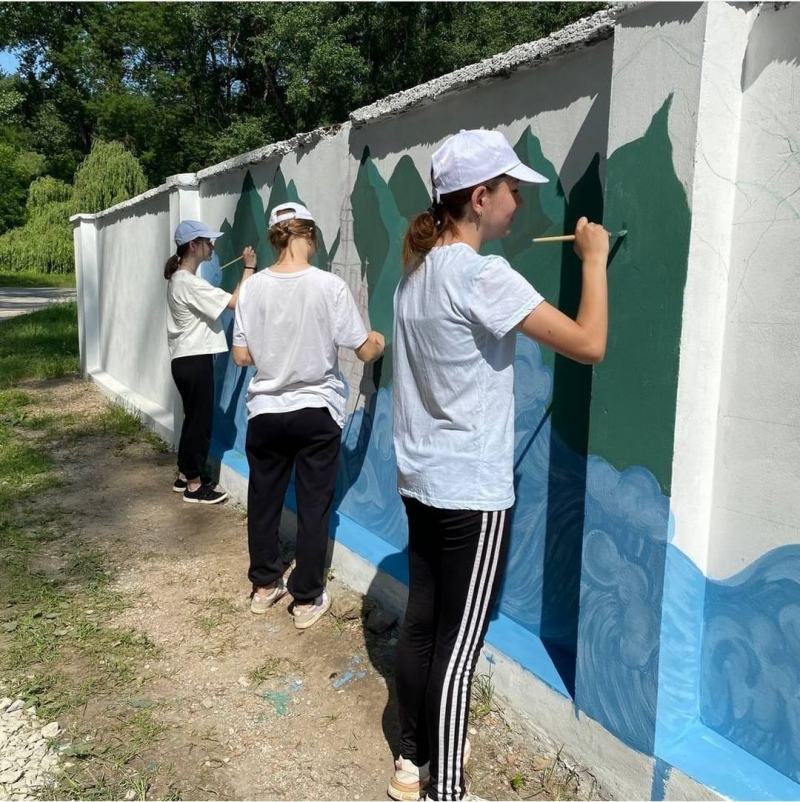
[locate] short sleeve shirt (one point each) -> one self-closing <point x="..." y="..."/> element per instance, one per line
<point x="292" y="324"/>
<point x="454" y="344"/>
<point x="194" y="309"/>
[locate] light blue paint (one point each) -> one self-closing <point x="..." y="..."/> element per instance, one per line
<point x="750" y="668"/>
<point x="352" y="672"/>
<point x="701" y="629"/>
<point x="626" y="530"/>
<point x="279" y="701"/>
<point x="714" y="761"/>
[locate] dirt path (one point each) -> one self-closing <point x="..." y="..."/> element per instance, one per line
<point x="218" y="703"/>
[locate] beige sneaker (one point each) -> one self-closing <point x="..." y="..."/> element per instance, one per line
<point x="408" y="781"/>
<point x="308" y="614"/>
<point x="261" y="602"/>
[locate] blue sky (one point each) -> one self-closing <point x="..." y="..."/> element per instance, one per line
<point x="8" y="63"/>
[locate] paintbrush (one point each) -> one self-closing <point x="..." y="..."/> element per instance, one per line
<point x="239" y="259"/>
<point x="571" y="237"/>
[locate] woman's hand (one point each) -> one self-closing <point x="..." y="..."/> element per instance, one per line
<point x="591" y="242"/>
<point x="249" y="256"/>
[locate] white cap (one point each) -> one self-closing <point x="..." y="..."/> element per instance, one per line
<point x="289" y="211"/>
<point x="471" y="157"/>
<point x="189" y="230"/>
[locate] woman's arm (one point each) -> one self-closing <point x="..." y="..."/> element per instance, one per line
<point x="241" y="356"/>
<point x="249" y="256"/>
<point x="582" y="339"/>
<point x="371" y="348"/>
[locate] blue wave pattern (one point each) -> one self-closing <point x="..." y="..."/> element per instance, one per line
<point x="626" y="528"/>
<point x="367" y="482"/>
<point x="750" y="669"/>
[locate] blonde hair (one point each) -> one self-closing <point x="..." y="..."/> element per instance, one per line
<point x="439" y="218"/>
<point x="282" y="232"/>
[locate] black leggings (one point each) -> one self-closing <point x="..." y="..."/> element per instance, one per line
<point x="194" y="378"/>
<point x="456" y="560"/>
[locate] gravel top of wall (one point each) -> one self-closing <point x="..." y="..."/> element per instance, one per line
<point x="582" y="33"/>
<point x="179" y="180"/>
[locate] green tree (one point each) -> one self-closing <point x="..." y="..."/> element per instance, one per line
<point x="109" y="174"/>
<point x="184" y="84"/>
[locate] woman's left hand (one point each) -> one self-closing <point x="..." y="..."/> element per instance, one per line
<point x="249" y="256"/>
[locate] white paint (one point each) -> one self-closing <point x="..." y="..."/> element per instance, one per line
<point x="711" y="199"/>
<point x="657" y="53"/>
<point x="757" y="480"/>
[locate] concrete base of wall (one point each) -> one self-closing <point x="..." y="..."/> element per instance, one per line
<point x="160" y="420"/>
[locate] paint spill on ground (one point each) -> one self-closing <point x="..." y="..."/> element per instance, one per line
<point x="352" y="672"/>
<point x="280" y="700"/>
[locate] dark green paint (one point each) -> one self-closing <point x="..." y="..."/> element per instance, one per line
<point x="411" y="194"/>
<point x="635" y="387"/>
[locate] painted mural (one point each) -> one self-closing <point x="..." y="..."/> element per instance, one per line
<point x="591" y="529"/>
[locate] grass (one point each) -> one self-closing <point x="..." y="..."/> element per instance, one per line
<point x="59" y="647"/>
<point x="274" y="666"/>
<point x="38" y="280"/>
<point x="482" y="696"/>
<point x="40" y="345"/>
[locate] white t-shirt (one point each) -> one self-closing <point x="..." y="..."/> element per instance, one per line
<point x="194" y="308"/>
<point x="454" y="340"/>
<point x="293" y="324"/>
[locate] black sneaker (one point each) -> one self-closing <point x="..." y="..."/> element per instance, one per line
<point x="179" y="485"/>
<point x="205" y="494"/>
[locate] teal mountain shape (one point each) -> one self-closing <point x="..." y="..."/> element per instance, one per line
<point x="250" y="227"/>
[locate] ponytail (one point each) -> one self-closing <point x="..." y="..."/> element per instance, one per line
<point x="174" y="261"/>
<point x="441" y="217"/>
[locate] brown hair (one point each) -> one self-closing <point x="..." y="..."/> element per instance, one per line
<point x="174" y="261"/>
<point x="281" y="232"/>
<point x="440" y="218"/>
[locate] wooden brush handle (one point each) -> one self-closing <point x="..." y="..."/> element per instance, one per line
<point x="562" y="238"/>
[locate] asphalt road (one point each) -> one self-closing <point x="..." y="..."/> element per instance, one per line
<point x="19" y="300"/>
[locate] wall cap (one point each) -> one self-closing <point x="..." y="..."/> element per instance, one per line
<point x="583" y="33"/>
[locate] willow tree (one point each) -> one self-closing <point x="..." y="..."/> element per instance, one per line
<point x="109" y="174"/>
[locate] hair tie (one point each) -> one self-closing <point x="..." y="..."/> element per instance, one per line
<point x="435" y="210"/>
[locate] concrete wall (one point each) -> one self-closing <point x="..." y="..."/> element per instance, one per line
<point x="648" y="617"/>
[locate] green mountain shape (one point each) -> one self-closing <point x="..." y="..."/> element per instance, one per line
<point x="635" y="387"/>
<point x="378" y="231"/>
<point x="410" y="192"/>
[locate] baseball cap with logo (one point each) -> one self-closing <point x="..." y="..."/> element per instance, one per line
<point x="289" y="211"/>
<point x="189" y="230"/>
<point x="469" y="158"/>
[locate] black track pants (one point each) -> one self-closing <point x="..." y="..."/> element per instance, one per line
<point x="308" y="439"/>
<point x="456" y="562"/>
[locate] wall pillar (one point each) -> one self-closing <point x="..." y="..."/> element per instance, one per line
<point x="84" y="235"/>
